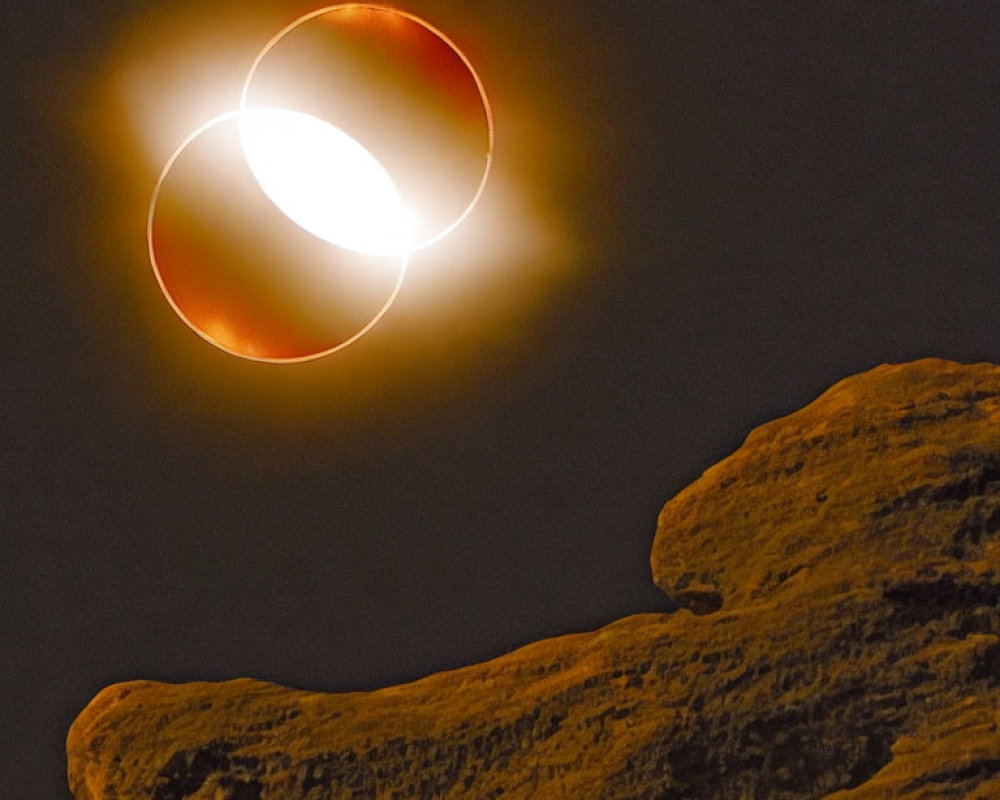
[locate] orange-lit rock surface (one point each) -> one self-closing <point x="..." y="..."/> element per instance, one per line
<point x="840" y="639"/>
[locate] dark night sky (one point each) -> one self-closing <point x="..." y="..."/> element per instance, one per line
<point x="763" y="197"/>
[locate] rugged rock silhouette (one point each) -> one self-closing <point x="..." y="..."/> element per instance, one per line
<point x="839" y="638"/>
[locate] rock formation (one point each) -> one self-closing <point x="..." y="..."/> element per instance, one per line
<point x="839" y="639"/>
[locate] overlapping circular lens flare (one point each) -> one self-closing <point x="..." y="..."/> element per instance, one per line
<point x="282" y="231"/>
<point x="401" y="87"/>
<point x="244" y="276"/>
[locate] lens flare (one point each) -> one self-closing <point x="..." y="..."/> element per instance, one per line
<point x="282" y="231"/>
<point x="244" y="276"/>
<point x="398" y="85"/>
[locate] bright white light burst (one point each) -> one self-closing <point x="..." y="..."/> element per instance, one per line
<point x="325" y="181"/>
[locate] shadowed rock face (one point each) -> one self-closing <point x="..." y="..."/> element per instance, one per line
<point x="840" y="639"/>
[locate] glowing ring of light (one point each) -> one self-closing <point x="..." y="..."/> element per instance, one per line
<point x="351" y="339"/>
<point x="436" y="32"/>
<point x="236" y="341"/>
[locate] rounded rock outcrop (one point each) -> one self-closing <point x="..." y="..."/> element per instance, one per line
<point x="889" y="477"/>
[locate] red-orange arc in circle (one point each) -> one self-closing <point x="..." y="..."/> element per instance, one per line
<point x="200" y="329"/>
<point x="381" y="9"/>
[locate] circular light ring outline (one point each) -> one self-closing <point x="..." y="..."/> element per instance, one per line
<point x="404" y="263"/>
<point x="444" y="38"/>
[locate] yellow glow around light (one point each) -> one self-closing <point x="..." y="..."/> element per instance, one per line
<point x="324" y="181"/>
<point x="479" y="284"/>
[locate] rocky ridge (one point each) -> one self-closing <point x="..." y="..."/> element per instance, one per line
<point x="839" y="638"/>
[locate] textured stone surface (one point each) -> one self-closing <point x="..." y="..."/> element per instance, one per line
<point x="840" y="639"/>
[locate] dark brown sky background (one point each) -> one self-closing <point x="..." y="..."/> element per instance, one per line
<point x="763" y="197"/>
